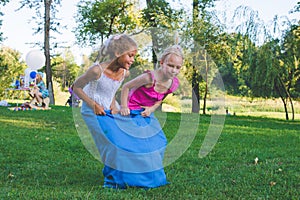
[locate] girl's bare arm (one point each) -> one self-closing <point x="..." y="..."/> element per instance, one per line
<point x="149" y="110"/>
<point x="91" y="74"/>
<point x="143" y="79"/>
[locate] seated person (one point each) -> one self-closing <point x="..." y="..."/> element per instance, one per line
<point x="39" y="91"/>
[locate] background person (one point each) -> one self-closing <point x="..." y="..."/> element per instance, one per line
<point x="39" y="91"/>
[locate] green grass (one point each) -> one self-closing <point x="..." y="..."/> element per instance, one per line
<point x="42" y="157"/>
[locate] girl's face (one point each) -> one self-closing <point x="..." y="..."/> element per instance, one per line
<point x="171" y="65"/>
<point x="126" y="59"/>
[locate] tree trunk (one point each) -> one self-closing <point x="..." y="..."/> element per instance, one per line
<point x="292" y="106"/>
<point x="206" y="83"/>
<point x="288" y="99"/>
<point x="284" y="103"/>
<point x="195" y="92"/>
<point x="154" y="45"/>
<point x="195" y="81"/>
<point x="285" y="109"/>
<point x="286" y="90"/>
<point x="47" y="50"/>
<point x="154" y="40"/>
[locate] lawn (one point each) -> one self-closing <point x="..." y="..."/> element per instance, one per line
<point x="42" y="157"/>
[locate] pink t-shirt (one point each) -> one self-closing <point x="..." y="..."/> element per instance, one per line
<point x="144" y="96"/>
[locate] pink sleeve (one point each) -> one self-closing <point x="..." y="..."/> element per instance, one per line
<point x="175" y="84"/>
<point x="151" y="74"/>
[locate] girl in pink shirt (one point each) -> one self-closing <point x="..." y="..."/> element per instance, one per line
<point x="149" y="89"/>
<point x="142" y="134"/>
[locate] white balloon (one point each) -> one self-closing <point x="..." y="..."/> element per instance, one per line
<point x="35" y="59"/>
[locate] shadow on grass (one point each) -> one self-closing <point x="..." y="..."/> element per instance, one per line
<point x="42" y="157"/>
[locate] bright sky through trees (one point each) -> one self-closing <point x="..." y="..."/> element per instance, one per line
<point x="19" y="34"/>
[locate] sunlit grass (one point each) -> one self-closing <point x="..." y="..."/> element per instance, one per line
<point x="42" y="157"/>
<point x="242" y="106"/>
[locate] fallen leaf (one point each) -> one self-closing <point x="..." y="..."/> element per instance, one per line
<point x="256" y="160"/>
<point x="272" y="183"/>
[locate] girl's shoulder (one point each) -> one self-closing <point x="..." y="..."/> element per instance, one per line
<point x="97" y="67"/>
<point x="143" y="79"/>
<point x="150" y="74"/>
<point x="95" y="70"/>
<point x="175" y="84"/>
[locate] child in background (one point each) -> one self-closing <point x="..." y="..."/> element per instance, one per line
<point x="39" y="91"/>
<point x="97" y="87"/>
<point x="73" y="100"/>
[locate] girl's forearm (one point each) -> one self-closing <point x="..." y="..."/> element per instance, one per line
<point x="81" y="94"/>
<point x="124" y="97"/>
<point x="155" y="106"/>
<point x="113" y="104"/>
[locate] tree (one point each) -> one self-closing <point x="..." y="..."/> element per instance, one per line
<point x="2" y="3"/>
<point x="274" y="74"/>
<point x="291" y="57"/>
<point x="97" y="20"/>
<point x="48" y="23"/>
<point x="160" y="20"/>
<point x="64" y="68"/>
<point x="271" y="71"/>
<point x="266" y="73"/>
<point x="202" y="32"/>
<point x="10" y="67"/>
<point x="289" y="61"/>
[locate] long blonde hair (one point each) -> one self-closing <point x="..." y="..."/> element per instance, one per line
<point x="39" y="78"/>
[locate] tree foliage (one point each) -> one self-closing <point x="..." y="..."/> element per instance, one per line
<point x="290" y="59"/>
<point x="160" y="14"/>
<point x="2" y="3"/>
<point x="253" y="60"/>
<point x="97" y="20"/>
<point x="39" y="19"/>
<point x="10" y="67"/>
<point x="199" y="34"/>
<point x="64" y="69"/>
<point x="46" y="21"/>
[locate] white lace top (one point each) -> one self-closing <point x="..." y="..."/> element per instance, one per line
<point x="103" y="90"/>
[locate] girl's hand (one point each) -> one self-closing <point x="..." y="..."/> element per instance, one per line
<point x="113" y="107"/>
<point x="114" y="111"/>
<point x="99" y="110"/>
<point x="147" y="111"/>
<point x="124" y="111"/>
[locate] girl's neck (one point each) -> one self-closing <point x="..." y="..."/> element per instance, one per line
<point x="162" y="82"/>
<point x="113" y="66"/>
<point x="113" y="71"/>
<point x="160" y="77"/>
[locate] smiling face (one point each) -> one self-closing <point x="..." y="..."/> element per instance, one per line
<point x="171" y="65"/>
<point x="126" y="59"/>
